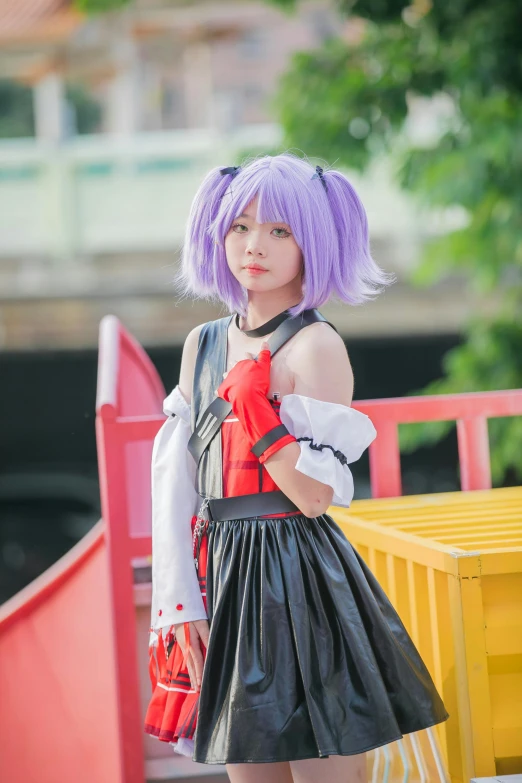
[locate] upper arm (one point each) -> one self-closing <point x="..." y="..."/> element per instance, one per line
<point x="188" y="362"/>
<point x="320" y="365"/>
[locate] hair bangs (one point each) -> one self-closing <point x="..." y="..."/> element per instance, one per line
<point x="249" y="183"/>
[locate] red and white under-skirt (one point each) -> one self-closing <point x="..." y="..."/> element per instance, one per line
<point x="173" y="709"/>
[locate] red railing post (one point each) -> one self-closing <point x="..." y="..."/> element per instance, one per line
<point x="473" y="442"/>
<point x="385" y="462"/>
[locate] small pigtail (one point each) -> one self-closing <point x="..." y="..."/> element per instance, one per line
<point x="319" y="174"/>
<point x="197" y="274"/>
<point x="357" y="276"/>
<point x="232" y="170"/>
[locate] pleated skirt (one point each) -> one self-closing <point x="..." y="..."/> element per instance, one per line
<point x="307" y="657"/>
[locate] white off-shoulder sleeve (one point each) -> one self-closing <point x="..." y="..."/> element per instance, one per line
<point x="174" y="502"/>
<point x="330" y="436"/>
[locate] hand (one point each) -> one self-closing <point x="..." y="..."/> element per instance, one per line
<point x="248" y="377"/>
<point x="199" y="631"/>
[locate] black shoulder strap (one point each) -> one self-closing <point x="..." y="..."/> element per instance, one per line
<point x="210" y="421"/>
<point x="291" y="326"/>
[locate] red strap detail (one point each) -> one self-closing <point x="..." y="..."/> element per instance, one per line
<point x="162" y="660"/>
<point x="157" y="662"/>
<point x="153" y="668"/>
<point x="186" y="632"/>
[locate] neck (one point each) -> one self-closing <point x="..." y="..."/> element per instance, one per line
<point x="262" y="307"/>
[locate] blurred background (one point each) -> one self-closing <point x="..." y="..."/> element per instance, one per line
<point x="111" y="112"/>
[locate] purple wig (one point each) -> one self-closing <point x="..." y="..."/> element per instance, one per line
<point x="328" y="223"/>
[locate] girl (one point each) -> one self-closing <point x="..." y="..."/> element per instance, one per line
<point x="294" y="656"/>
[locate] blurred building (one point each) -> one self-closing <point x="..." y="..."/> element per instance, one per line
<point x="93" y="224"/>
<point x="157" y="65"/>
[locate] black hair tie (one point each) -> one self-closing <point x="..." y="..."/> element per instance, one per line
<point x="232" y="170"/>
<point x="319" y="174"/>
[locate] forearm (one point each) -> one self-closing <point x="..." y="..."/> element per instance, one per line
<point x="312" y="497"/>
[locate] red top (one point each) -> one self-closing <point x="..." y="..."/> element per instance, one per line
<point x="243" y="474"/>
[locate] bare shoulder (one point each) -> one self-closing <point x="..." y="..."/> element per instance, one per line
<point x="192" y="339"/>
<point x="319" y="363"/>
<point x="319" y="342"/>
<point x="317" y="335"/>
<point x="188" y="361"/>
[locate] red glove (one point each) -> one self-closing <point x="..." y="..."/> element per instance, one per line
<point x="246" y="387"/>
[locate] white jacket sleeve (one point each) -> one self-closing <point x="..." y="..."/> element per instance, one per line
<point x="330" y="437"/>
<point x="176" y="597"/>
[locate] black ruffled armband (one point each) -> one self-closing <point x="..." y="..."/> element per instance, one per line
<point x="320" y="446"/>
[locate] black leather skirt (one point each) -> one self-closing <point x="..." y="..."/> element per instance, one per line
<point x="307" y="657"/>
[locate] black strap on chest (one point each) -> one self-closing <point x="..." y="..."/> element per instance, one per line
<point x="210" y="421"/>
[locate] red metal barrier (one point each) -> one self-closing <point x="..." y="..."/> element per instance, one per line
<point x="58" y="714"/>
<point x="471" y="412"/>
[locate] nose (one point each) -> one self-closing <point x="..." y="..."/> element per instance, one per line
<point x="255" y="246"/>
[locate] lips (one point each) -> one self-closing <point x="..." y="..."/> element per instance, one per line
<point x="254" y="270"/>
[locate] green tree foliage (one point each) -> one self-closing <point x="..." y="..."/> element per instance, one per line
<point x="16" y="110"/>
<point x="87" y="111"/>
<point x="348" y="103"/>
<point x="17" y="114"/>
<point x="99" y="6"/>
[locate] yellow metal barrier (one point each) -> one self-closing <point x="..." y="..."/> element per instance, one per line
<point x="452" y="566"/>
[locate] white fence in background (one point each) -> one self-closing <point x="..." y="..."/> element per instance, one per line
<point x="95" y="195"/>
<point x="105" y="194"/>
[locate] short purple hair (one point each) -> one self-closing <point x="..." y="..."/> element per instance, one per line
<point x="329" y="226"/>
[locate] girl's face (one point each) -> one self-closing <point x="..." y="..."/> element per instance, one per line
<point x="263" y="256"/>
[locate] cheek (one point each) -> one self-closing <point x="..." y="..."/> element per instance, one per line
<point x="234" y="243"/>
<point x="296" y="260"/>
<point x="287" y="260"/>
<point x="231" y="248"/>
<point x="288" y="268"/>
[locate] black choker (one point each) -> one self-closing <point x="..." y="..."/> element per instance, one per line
<point x="264" y="329"/>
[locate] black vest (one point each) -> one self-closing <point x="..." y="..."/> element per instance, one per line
<point x="211" y="362"/>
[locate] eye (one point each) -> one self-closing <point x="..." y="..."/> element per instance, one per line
<point x="239" y="228"/>
<point x="281" y="233"/>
